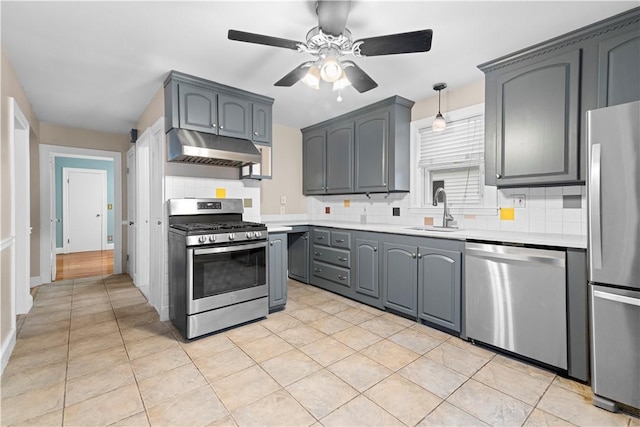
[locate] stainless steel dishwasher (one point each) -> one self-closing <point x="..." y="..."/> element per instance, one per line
<point x="516" y="300"/>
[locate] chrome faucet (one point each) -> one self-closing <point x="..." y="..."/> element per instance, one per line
<point x="447" y="218"/>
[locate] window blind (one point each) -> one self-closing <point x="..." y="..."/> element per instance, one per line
<point x="461" y="184"/>
<point x="462" y="143"/>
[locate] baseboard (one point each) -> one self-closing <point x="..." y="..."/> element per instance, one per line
<point x="7" y="348"/>
<point x="144" y="290"/>
<point x="59" y="250"/>
<point x="164" y="314"/>
<point x="110" y="246"/>
<point x="36" y="281"/>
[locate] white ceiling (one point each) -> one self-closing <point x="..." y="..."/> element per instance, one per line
<point x="96" y="65"/>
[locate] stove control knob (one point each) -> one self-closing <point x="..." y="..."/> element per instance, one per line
<point x="202" y="239"/>
<point x="212" y="238"/>
<point x="250" y="234"/>
<point x="232" y="236"/>
<point x="258" y="233"/>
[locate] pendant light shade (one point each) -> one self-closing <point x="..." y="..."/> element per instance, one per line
<point x="439" y="123"/>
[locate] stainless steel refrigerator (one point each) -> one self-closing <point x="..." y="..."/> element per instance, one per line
<point x="614" y="253"/>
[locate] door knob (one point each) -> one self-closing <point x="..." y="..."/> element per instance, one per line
<point x="130" y="222"/>
<point x="97" y="215"/>
<point x="159" y="222"/>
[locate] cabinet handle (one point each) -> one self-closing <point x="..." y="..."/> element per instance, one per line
<point x="413" y="255"/>
<point x="419" y="256"/>
<point x="343" y="259"/>
<point x="320" y="237"/>
<point x="498" y="176"/>
<point x="213" y="125"/>
<point x="159" y="222"/>
<point x="255" y="133"/>
<point x="271" y="243"/>
<point x="375" y="249"/>
<point x="317" y="253"/>
<point x="384" y="184"/>
<point x="317" y="270"/>
<point x="342" y="277"/>
<point x="131" y="222"/>
<point x="340" y="240"/>
<point x="306" y="237"/>
<point x="221" y="127"/>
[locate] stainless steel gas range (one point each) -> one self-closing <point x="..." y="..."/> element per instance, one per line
<point x="217" y="266"/>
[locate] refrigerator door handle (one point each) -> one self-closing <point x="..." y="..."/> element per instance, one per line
<point x="617" y="298"/>
<point x="594" y="208"/>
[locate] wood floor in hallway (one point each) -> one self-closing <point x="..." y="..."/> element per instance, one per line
<point x="84" y="264"/>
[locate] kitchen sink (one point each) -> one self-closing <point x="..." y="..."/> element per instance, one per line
<point x="433" y="228"/>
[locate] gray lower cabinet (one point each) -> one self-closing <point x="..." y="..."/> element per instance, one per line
<point x="330" y="260"/>
<point x="439" y="287"/>
<point x="298" y="253"/>
<point x="367" y="268"/>
<point x="400" y="278"/>
<point x="277" y="274"/>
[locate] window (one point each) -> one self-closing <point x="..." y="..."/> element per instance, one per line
<point x="453" y="159"/>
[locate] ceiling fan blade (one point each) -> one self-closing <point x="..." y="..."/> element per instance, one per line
<point x="358" y="78"/>
<point x="415" y="41"/>
<point x="294" y="75"/>
<point x="332" y="16"/>
<point x="242" y="36"/>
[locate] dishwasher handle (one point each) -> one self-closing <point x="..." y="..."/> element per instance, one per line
<point x="501" y="256"/>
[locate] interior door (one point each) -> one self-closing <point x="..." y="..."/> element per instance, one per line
<point x="156" y="205"/>
<point x="84" y="213"/>
<point x="142" y="213"/>
<point x="131" y="213"/>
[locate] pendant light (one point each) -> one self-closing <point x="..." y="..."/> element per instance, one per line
<point x="439" y="123"/>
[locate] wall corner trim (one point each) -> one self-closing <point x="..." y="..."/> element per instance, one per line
<point x="7" y="348"/>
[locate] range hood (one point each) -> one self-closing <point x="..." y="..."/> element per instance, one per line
<point x="188" y="146"/>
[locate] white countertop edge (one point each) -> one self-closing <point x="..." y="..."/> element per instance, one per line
<point x="277" y="228"/>
<point x="497" y="236"/>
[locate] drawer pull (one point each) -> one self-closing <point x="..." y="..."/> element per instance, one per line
<point x="320" y="237"/>
<point x="317" y="253"/>
<point x="317" y="270"/>
<point x="340" y="240"/>
<point x="413" y="255"/>
<point x="341" y="258"/>
<point x="341" y="277"/>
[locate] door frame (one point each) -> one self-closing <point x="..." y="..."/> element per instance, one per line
<point x="48" y="153"/>
<point x="143" y="212"/>
<point x="65" y="205"/>
<point x="131" y="214"/>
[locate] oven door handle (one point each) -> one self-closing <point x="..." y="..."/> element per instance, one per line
<point x="226" y="249"/>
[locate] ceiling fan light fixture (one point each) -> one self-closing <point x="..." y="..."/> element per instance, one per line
<point x="439" y="123"/>
<point x="331" y="70"/>
<point x="342" y="82"/>
<point x="312" y="78"/>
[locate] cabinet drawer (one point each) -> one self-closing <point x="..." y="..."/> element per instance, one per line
<point x="321" y="237"/>
<point x="337" y="275"/>
<point x="337" y="257"/>
<point x="341" y="239"/>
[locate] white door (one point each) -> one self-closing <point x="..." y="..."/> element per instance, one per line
<point x="131" y="213"/>
<point x="142" y="213"/>
<point x="84" y="209"/>
<point x="156" y="203"/>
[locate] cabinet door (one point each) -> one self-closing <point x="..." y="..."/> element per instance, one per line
<point x="277" y="270"/>
<point x="538" y="122"/>
<point x="439" y="287"/>
<point x="234" y="117"/>
<point x="314" y="163"/>
<point x="619" y="70"/>
<point x="340" y="159"/>
<point x="400" y="278"/>
<point x="261" y="123"/>
<point x="198" y="109"/>
<point x="371" y="152"/>
<point x="367" y="271"/>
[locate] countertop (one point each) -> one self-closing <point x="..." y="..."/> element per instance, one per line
<point x="542" y="239"/>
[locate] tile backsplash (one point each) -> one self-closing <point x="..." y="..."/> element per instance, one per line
<point x="557" y="210"/>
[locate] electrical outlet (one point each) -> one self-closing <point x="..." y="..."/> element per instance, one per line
<point x="518" y="200"/>
<point x="283" y="200"/>
<point x="281" y="210"/>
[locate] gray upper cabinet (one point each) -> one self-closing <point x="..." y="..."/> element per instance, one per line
<point x="340" y="158"/>
<point x="538" y="122"/>
<point x="366" y="150"/>
<point x="439" y="287"/>
<point x="536" y="100"/>
<point x="314" y="150"/>
<point x="619" y="69"/>
<point x="371" y="152"/>
<point x="198" y="108"/>
<point x="400" y="277"/>
<point x="277" y="271"/>
<point x="234" y="117"/>
<point x="202" y="105"/>
<point x="262" y="127"/>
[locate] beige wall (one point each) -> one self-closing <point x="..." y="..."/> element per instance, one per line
<point x="82" y="138"/>
<point x="287" y="174"/>
<point x="152" y="113"/>
<point x="451" y="99"/>
<point x="9" y="87"/>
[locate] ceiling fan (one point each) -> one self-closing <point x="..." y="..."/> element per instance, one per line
<point x="330" y="41"/>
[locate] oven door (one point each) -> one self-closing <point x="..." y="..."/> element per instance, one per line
<point x="225" y="275"/>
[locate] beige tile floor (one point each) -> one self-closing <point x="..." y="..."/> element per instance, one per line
<point x="93" y="352"/>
